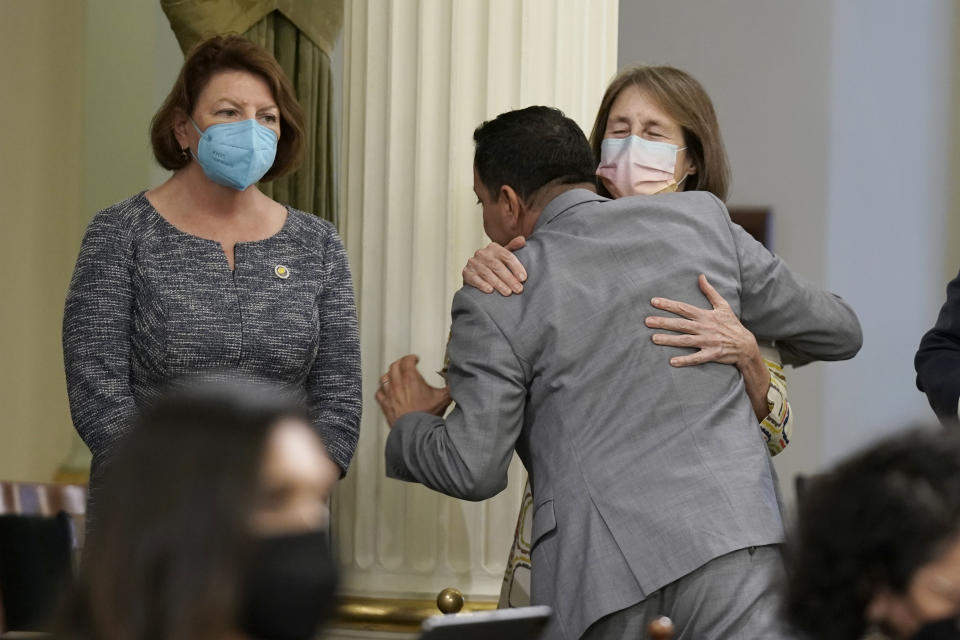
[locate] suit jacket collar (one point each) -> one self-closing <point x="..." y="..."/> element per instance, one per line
<point x="563" y="202"/>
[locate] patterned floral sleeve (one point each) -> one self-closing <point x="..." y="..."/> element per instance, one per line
<point x="777" y="427"/>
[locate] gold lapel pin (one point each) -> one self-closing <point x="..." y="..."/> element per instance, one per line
<point x="281" y="272"/>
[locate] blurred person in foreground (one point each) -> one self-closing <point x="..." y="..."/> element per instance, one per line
<point x="876" y="552"/>
<point x="212" y="525"/>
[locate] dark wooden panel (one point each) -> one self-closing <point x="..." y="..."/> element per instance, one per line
<point x="756" y="221"/>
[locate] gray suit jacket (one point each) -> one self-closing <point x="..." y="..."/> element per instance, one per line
<point x="641" y="472"/>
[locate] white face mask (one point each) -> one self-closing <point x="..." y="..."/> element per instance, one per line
<point x="634" y="166"/>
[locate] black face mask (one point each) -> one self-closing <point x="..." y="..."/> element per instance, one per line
<point x="946" y="629"/>
<point x="289" y="586"/>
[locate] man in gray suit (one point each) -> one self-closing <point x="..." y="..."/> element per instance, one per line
<point x="653" y="491"/>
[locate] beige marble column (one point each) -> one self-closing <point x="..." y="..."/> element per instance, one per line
<point x="419" y="76"/>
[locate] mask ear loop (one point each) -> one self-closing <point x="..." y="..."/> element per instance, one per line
<point x="184" y="151"/>
<point x="673" y="186"/>
<point x="686" y="175"/>
<point x="190" y="118"/>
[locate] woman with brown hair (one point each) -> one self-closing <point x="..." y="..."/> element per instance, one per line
<point x="212" y="524"/>
<point x="656" y="131"/>
<point x="205" y="273"/>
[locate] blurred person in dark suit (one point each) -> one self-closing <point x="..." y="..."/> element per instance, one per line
<point x="938" y="359"/>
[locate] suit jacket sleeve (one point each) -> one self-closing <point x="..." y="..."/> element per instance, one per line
<point x="467" y="454"/>
<point x="806" y="322"/>
<point x="938" y="359"/>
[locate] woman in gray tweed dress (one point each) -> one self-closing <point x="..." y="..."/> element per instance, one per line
<point x="206" y="275"/>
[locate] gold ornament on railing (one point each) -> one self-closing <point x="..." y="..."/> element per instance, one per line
<point x="450" y="600"/>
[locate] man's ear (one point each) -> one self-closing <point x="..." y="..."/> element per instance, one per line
<point x="513" y="206"/>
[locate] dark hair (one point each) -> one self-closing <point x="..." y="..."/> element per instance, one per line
<point x="527" y="148"/>
<point x="869" y="525"/>
<point x="203" y="61"/>
<point x="686" y="101"/>
<point x="172" y="529"/>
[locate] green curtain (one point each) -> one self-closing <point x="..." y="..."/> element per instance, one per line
<point x="312" y="187"/>
<point x="301" y="35"/>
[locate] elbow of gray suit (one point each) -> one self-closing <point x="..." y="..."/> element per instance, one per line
<point x="484" y="488"/>
<point x="460" y="479"/>
<point x="841" y="340"/>
<point x="418" y="449"/>
<point x="853" y="342"/>
<point x="462" y="484"/>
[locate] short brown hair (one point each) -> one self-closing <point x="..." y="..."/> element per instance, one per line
<point x="203" y="61"/>
<point x="685" y="100"/>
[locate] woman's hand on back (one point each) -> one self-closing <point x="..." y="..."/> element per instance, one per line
<point x="716" y="332"/>
<point x="718" y="335"/>
<point x="494" y="267"/>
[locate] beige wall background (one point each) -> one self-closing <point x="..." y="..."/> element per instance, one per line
<point x="81" y="80"/>
<point x="41" y="218"/>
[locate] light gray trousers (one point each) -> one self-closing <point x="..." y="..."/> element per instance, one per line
<point x="736" y="596"/>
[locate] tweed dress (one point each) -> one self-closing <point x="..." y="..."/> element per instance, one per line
<point x="149" y="304"/>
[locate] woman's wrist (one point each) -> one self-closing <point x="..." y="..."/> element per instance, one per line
<point x="756" y="379"/>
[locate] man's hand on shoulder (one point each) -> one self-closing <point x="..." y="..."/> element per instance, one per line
<point x="403" y="390"/>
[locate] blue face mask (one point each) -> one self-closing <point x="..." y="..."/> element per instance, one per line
<point x="236" y="154"/>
